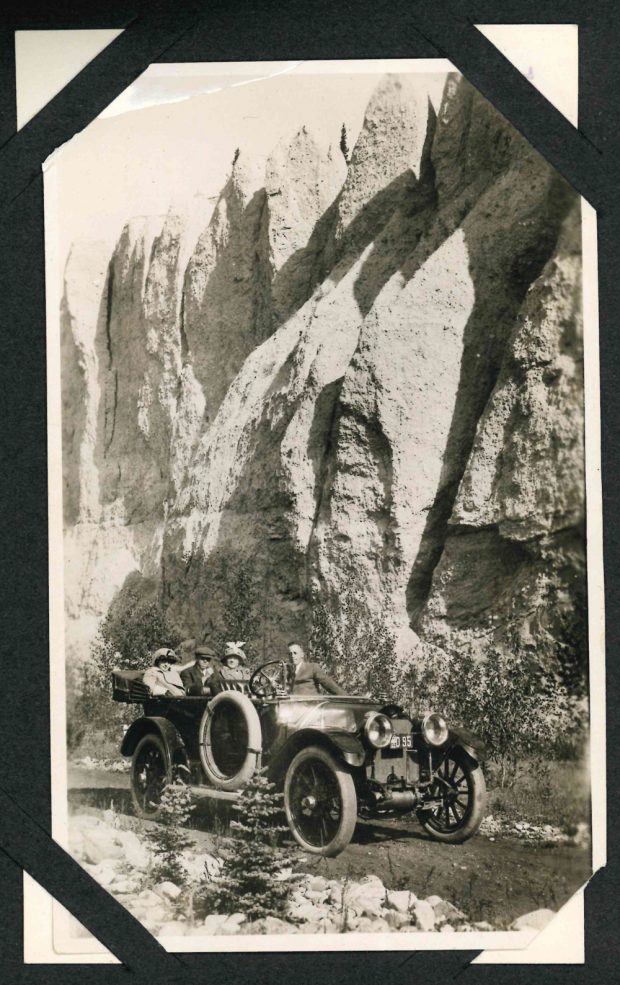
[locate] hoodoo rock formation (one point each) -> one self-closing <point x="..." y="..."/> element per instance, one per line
<point x="363" y="376"/>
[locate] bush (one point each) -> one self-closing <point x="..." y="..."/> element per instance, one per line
<point x="220" y="598"/>
<point x="248" y="882"/>
<point x="133" y="628"/>
<point x="354" y="645"/>
<point x="516" y="707"/>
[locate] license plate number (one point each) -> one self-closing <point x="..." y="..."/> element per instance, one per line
<point x="401" y="742"/>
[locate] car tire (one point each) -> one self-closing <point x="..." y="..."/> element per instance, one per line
<point x="150" y="756"/>
<point x="320" y="802"/>
<point x="235" y="704"/>
<point x="468" y="794"/>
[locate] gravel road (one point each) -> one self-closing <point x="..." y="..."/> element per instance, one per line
<point x="494" y="880"/>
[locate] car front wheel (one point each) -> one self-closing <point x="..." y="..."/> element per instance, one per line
<point x="320" y="802"/>
<point x="459" y="789"/>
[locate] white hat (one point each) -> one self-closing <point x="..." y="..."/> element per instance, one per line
<point x="234" y="650"/>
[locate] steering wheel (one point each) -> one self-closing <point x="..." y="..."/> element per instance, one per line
<point x="265" y="684"/>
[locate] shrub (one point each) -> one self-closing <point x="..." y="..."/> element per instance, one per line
<point x="249" y="881"/>
<point x="221" y="598"/>
<point x="133" y="627"/>
<point x="516" y="707"/>
<point x="354" y="644"/>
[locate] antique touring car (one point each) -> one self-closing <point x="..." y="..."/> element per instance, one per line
<point x="335" y="758"/>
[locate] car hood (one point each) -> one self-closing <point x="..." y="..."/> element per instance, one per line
<point x="325" y="712"/>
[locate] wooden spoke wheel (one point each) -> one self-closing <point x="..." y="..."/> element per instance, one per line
<point x="320" y="802"/>
<point x="150" y="772"/>
<point x="460" y="789"/>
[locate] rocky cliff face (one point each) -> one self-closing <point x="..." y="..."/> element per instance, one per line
<point x="367" y="376"/>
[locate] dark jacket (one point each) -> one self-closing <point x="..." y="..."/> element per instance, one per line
<point x="192" y="680"/>
<point x="310" y="678"/>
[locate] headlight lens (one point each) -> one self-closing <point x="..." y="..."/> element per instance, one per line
<point x="378" y="730"/>
<point x="435" y="729"/>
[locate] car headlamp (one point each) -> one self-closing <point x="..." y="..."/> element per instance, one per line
<point x="435" y="729"/>
<point x="378" y="730"/>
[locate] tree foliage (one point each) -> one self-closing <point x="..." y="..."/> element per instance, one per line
<point x="226" y="597"/>
<point x="354" y="644"/>
<point x="133" y="628"/>
<point x="508" y="699"/>
<point x="518" y="708"/>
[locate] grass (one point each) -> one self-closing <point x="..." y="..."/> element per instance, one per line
<point x="542" y="792"/>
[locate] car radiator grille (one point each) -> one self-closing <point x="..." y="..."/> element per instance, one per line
<point x="395" y="762"/>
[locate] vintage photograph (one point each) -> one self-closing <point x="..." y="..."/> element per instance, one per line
<point x="323" y="560"/>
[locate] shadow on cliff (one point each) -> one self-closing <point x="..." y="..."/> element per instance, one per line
<point x="501" y="279"/>
<point x="233" y="314"/>
<point x="392" y="220"/>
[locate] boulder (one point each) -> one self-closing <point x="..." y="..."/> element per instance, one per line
<point x="173" y="928"/>
<point x="307" y="911"/>
<point x="396" y="919"/>
<point x="536" y="920"/>
<point x="168" y="890"/>
<point x="318" y="884"/>
<point x="317" y="895"/>
<point x="444" y="910"/>
<point x="148" y="897"/>
<point x="135" y="852"/>
<point x="101" y="843"/>
<point x="365" y="898"/>
<point x="483" y="925"/>
<point x="325" y="925"/>
<point x="197" y="864"/>
<point x="401" y="899"/>
<point x="269" y="925"/>
<point x="224" y="923"/>
<point x="104" y="872"/>
<point x="124" y="886"/>
<point x="424" y="915"/>
<point x="369" y="925"/>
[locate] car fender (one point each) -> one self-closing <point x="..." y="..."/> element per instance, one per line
<point x="160" y="726"/>
<point x="346" y="747"/>
<point x="472" y="744"/>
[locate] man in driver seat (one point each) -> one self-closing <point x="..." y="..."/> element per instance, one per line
<point x="309" y="677"/>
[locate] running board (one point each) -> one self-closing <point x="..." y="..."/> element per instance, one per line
<point x="213" y="794"/>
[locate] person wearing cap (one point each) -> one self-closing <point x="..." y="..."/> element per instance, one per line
<point x="199" y="678"/>
<point x="163" y="677"/>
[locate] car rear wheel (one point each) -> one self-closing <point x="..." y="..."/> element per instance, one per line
<point x="320" y="802"/>
<point x="150" y="772"/>
<point x="460" y="789"/>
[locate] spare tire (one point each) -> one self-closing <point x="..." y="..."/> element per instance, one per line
<point x="230" y="740"/>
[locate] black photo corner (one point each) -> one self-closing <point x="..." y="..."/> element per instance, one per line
<point x="219" y="31"/>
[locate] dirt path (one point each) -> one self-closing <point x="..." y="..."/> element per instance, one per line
<point x="490" y="880"/>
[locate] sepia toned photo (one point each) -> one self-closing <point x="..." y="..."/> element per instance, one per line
<point x="322" y="652"/>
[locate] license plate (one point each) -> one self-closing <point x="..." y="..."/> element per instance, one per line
<point x="401" y="742"/>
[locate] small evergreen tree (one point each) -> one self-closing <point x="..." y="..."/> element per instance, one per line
<point x="171" y="838"/>
<point x="344" y="147"/>
<point x="248" y="882"/>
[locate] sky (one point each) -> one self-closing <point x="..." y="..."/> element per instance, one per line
<point x="168" y="141"/>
